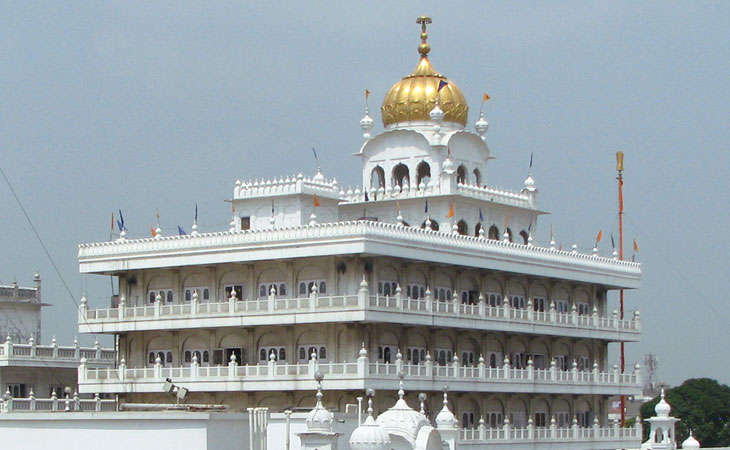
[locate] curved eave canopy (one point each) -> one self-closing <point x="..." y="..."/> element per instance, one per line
<point x="360" y="237"/>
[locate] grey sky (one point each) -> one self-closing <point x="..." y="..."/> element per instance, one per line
<point x="138" y="105"/>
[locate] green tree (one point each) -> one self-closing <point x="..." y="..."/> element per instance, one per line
<point x="703" y="405"/>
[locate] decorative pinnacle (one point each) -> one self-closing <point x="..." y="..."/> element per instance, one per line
<point x="319" y="376"/>
<point x="424" y="48"/>
<point x="401" y="392"/>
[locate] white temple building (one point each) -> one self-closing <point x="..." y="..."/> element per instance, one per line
<point x="33" y="375"/>
<point x="423" y="277"/>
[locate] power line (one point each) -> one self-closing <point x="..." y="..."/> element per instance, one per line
<point x="717" y="314"/>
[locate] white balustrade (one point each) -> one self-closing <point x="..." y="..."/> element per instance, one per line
<point x="425" y="307"/>
<point x="55" y="404"/>
<point x="478" y="377"/>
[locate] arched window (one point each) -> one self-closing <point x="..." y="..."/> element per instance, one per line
<point x="322" y="287"/>
<point x="322" y="353"/>
<point x="462" y="227"/>
<point x="302" y="354"/>
<point x="494" y="232"/>
<point x="524" y="236"/>
<point x="169" y="296"/>
<point x="302" y="289"/>
<point x="401" y="175"/>
<point x="477" y="228"/>
<point x="282" y="354"/>
<point x="386" y="355"/>
<point x="434" y="225"/>
<point x="282" y="289"/>
<point x="477" y="177"/>
<point x="262" y="291"/>
<point x="151" y="359"/>
<point x="377" y="178"/>
<point x="423" y="173"/>
<point x="461" y="174"/>
<point x="509" y="234"/>
<point x="262" y="354"/>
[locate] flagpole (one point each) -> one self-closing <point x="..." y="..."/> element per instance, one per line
<point x="620" y="169"/>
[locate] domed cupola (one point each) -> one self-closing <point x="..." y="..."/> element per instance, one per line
<point x="413" y="98"/>
<point x="319" y="418"/>
<point x="401" y="419"/>
<point x="662" y="409"/>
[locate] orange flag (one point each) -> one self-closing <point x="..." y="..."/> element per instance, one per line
<point x="451" y="211"/>
<point x="636" y="246"/>
<point x="316" y="201"/>
<point x="153" y="232"/>
<point x="599" y="237"/>
<point x="486" y="97"/>
<point x="367" y="94"/>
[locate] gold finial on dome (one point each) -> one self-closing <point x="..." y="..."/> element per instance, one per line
<point x="424" y="48"/>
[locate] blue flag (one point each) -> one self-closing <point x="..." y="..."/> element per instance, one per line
<point x="181" y="231"/>
<point x="481" y="216"/>
<point x="442" y="84"/>
<point x="426" y="208"/>
<point x="120" y="222"/>
<point x="196" y="213"/>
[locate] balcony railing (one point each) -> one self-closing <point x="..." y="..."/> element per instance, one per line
<point x="11" y="352"/>
<point x="9" y="404"/>
<point x="359" y="374"/>
<point x="482" y="436"/>
<point x="427" y="311"/>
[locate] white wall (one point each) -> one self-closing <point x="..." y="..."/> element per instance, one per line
<point x="125" y="431"/>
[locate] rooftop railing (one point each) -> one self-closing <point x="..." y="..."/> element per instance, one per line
<point x="10" y="351"/>
<point x="482" y="436"/>
<point x="8" y="404"/>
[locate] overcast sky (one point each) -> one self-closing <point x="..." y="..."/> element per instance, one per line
<point x="140" y="105"/>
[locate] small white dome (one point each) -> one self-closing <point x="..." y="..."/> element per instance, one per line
<point x="436" y="114"/>
<point x="319" y="419"/>
<point x="481" y="125"/>
<point x="690" y="442"/>
<point x="319" y="176"/>
<point x="662" y="409"/>
<point x="445" y="418"/>
<point x="530" y="183"/>
<point x="369" y="436"/>
<point x="366" y="123"/>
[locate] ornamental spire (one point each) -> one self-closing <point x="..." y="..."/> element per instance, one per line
<point x="424" y="48"/>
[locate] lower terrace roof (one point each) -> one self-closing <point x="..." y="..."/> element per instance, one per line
<point x="365" y="238"/>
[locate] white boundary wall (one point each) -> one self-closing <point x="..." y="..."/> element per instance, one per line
<point x="125" y="431"/>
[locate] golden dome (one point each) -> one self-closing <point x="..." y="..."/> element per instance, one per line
<point x="413" y="98"/>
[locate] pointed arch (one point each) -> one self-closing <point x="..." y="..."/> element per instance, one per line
<point x="401" y="175"/>
<point x="477" y="228"/>
<point x="377" y="178"/>
<point x="423" y="173"/>
<point x="494" y="233"/>
<point x="462" y="227"/>
<point x="524" y="236"/>
<point x="461" y="174"/>
<point x="477" y="178"/>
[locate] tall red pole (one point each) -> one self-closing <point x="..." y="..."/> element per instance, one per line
<point x="620" y="169"/>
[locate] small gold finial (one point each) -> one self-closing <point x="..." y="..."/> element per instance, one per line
<point x="620" y="161"/>
<point x="424" y="48"/>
